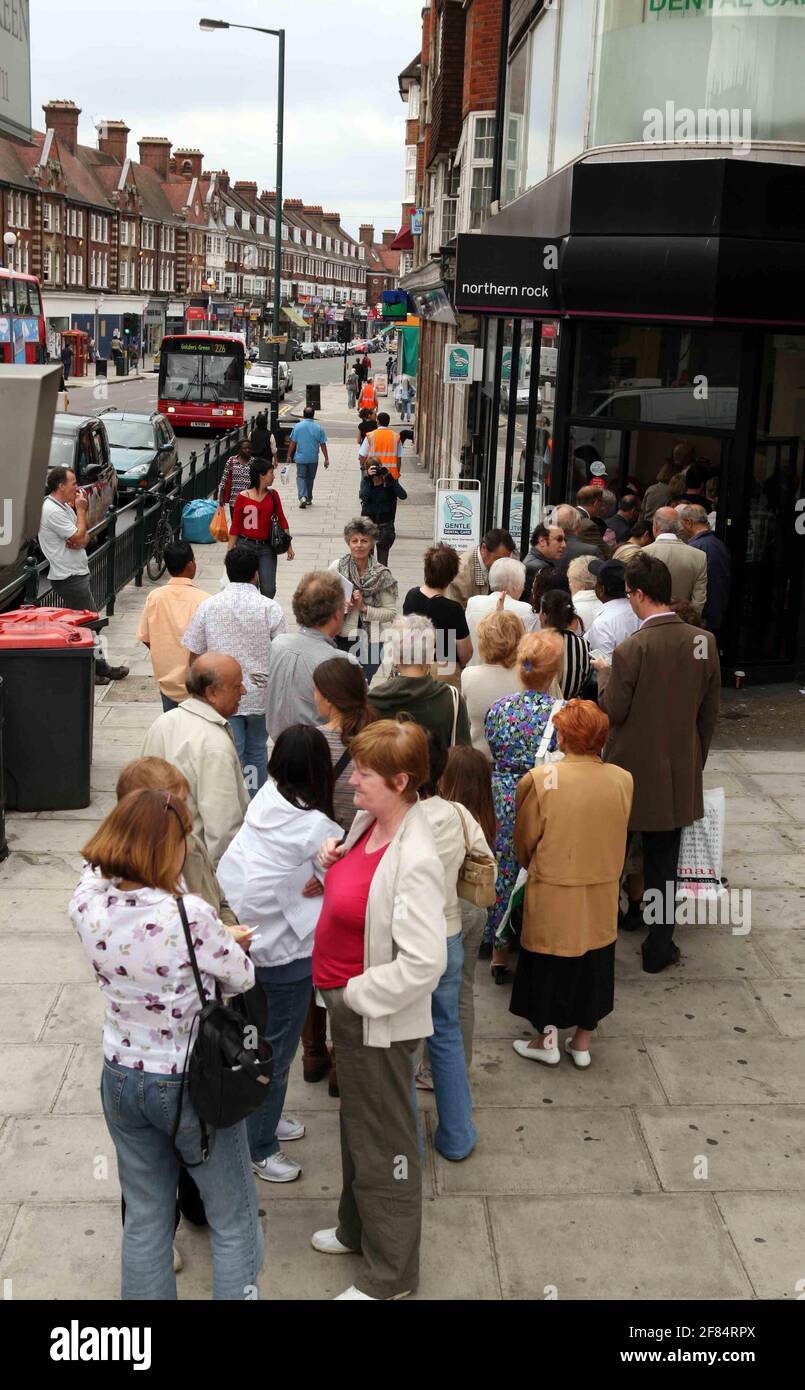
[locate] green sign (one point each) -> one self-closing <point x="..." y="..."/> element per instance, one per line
<point x="201" y="347"/>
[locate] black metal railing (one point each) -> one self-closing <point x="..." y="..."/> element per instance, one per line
<point x="122" y="552"/>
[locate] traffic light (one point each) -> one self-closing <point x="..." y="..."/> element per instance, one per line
<point x="344" y="331"/>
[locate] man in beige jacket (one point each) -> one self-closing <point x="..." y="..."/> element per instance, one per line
<point x="688" y="565"/>
<point x="473" y="572"/>
<point x="197" y="739"/>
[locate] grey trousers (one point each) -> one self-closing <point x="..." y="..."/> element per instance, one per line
<point x="473" y="921"/>
<point x="76" y="593"/>
<point x="380" y="1212"/>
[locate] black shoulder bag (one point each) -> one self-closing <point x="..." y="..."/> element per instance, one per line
<point x="227" y="1073"/>
<point x="279" y="540"/>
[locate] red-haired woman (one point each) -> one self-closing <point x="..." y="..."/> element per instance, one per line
<point x="570" y="834"/>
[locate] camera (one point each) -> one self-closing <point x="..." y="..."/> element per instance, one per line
<point x="378" y="472"/>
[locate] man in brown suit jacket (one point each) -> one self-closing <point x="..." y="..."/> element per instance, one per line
<point x="473" y="571"/>
<point x="590" y="504"/>
<point x="662" y="699"/>
<point x="688" y="574"/>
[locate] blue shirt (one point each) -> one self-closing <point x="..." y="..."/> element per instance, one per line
<point x="308" y="438"/>
<point x="718" y="578"/>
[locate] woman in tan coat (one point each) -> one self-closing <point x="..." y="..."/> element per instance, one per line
<point x="570" y="834"/>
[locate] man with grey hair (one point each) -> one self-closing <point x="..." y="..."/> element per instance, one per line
<point x="688" y="566"/>
<point x="506" y="580"/>
<point x="695" y="529"/>
<point x="197" y="738"/>
<point x="411" y="690"/>
<point x="569" y="518"/>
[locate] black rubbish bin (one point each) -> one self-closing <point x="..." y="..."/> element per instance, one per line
<point x="120" y="368"/>
<point x="284" y="427"/>
<point x="3" y="841"/>
<point x="313" y="395"/>
<point x="47" y="667"/>
<point x="101" y="365"/>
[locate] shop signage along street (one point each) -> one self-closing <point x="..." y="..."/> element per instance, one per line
<point x="460" y="364"/>
<point x="507" y="275"/>
<point x="15" y="69"/>
<point x="458" y="513"/>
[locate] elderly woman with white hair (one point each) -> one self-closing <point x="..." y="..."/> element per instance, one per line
<point x="410" y="649"/>
<point x="370" y="595"/>
<point x="582" y="583"/>
<point x="506" y="582"/>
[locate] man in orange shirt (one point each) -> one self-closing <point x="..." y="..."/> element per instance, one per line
<point x="383" y="444"/>
<point x="368" y="397"/>
<point x="165" y="619"/>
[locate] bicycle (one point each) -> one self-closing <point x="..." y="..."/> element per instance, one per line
<point x="163" y="535"/>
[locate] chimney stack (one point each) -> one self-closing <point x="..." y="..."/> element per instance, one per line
<point x="366" y="234"/>
<point x="189" y="163"/>
<point x="155" y="153"/>
<point x="113" y="139"/>
<point x="388" y="236"/>
<point x="62" y="116"/>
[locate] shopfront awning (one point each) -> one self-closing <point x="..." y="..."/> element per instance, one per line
<point x="404" y="240"/>
<point x="294" y="316"/>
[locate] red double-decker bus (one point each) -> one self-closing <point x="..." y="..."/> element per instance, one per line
<point x="22" y="322"/>
<point x="201" y="380"/>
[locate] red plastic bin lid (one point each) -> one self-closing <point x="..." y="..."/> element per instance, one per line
<point x="45" y="627"/>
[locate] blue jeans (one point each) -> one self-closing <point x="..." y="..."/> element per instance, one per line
<point x="140" y="1109"/>
<point x="455" y="1133"/>
<point x="305" y="478"/>
<point x="287" y="1010"/>
<point x="249" y="733"/>
<point x="167" y="703"/>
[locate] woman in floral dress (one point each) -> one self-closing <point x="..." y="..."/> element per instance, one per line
<point x="514" y="727"/>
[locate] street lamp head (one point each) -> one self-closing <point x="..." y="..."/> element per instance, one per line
<point x="9" y="239"/>
<point x="210" y="25"/>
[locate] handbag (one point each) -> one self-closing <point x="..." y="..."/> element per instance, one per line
<point x="456" y="697"/>
<point x="478" y="873"/>
<point x="543" y="754"/>
<point x="279" y="540"/>
<point x="219" y="528"/>
<point x="227" y="1075"/>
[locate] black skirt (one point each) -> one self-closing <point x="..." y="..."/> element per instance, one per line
<point x="564" y="991"/>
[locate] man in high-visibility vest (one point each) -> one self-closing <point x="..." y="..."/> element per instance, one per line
<point x="368" y="397"/>
<point x="383" y="444"/>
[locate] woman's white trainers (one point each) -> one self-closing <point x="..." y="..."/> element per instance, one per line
<point x="581" y="1059"/>
<point x="277" y="1168"/>
<point x="289" y="1128"/>
<point x="549" y="1055"/>
<point x="329" y="1244"/>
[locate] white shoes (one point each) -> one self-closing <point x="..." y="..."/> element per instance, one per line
<point x="289" y="1128"/>
<point x="549" y="1055"/>
<point x="329" y="1244"/>
<point x="353" y="1293"/>
<point x="581" y="1059"/>
<point x="277" y="1168"/>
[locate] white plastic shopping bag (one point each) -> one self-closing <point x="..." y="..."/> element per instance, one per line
<point x="701" y="850"/>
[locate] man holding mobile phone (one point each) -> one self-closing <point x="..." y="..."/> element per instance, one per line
<point x="63" y="535"/>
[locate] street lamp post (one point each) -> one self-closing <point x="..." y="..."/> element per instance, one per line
<point x="209" y="25"/>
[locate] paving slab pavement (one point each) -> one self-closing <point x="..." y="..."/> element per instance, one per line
<point x="590" y="1183"/>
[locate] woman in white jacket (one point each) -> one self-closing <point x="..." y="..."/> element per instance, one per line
<point x="455" y="833"/>
<point x="380" y="951"/>
<point x="269" y="875"/>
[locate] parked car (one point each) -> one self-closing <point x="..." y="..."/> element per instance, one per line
<point x="309" y="350"/>
<point x="258" y="382"/>
<point x="294" y="350"/>
<point x="359" y="345"/>
<point x="286" y="374"/>
<point x="80" y="442"/>
<point x="142" y="448"/>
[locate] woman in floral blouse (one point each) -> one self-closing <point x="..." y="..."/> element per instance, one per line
<point x="514" y="727"/>
<point x="124" y="910"/>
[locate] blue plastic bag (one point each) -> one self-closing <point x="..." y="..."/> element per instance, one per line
<point x="196" y="518"/>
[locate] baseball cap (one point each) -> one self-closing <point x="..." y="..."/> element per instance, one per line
<point x="611" y="573"/>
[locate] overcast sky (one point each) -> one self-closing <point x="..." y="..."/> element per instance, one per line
<point x="148" y="63"/>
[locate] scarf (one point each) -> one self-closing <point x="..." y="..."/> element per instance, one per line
<point x="374" y="580"/>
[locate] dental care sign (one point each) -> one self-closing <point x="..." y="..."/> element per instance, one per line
<point x="507" y="275"/>
<point x="457" y="521"/>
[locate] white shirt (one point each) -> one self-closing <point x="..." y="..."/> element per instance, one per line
<point x="451" y="847"/>
<point x="666" y="613"/>
<point x="239" y="622"/>
<point x="614" y="624"/>
<point x="56" y="527"/>
<point x="482" y="686"/>
<point x="587" y="605"/>
<point x="481" y="604"/>
<point x="666" y="536"/>
<point x="275" y="840"/>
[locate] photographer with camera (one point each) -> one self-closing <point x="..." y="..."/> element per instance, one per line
<point x="379" y="494"/>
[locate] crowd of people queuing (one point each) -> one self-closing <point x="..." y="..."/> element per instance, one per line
<point x="547" y="721"/>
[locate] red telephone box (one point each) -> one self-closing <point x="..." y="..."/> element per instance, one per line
<point x="78" y="342"/>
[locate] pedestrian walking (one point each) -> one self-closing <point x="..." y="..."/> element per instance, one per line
<point x="367" y="399"/>
<point x="63" y="538"/>
<point x="662" y="699"/>
<point x="197" y="739"/>
<point x="279" y="839"/>
<point x="254" y="514"/>
<point x="66" y="356"/>
<point x="307" y="439"/>
<point x="164" y="621"/>
<point x="373" y="601"/>
<point x="379" y="494"/>
<point x="242" y="622"/>
<point x="126" y="904"/>
<point x="377" y="967"/>
<point x="570" y="834"/>
<point x="263" y="439"/>
<point x="383" y="444"/>
<point x="404" y="396"/>
<point x="236" y="476"/>
<point x="353" y="386"/>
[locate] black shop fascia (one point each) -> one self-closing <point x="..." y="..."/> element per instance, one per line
<point x="677" y="292"/>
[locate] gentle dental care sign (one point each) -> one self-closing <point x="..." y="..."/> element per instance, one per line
<point x="507" y="275"/>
